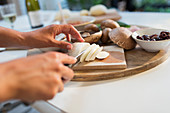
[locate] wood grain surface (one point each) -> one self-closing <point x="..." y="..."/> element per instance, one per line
<point x="137" y="60"/>
<point x="111" y="14"/>
<point x="115" y="60"/>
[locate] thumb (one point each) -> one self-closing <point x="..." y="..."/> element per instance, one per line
<point x="62" y="44"/>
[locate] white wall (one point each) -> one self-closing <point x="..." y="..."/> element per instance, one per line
<point x="52" y="4"/>
<point x="44" y="4"/>
<point x="19" y="6"/>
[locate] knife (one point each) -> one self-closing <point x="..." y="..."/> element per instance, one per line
<point x="10" y="106"/>
<point x="76" y="57"/>
<point x="70" y="66"/>
<point x="10" y="49"/>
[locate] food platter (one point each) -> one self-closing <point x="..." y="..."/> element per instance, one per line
<point x="137" y="60"/>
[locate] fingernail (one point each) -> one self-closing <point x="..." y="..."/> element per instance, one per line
<point x="82" y="40"/>
<point x="69" y="46"/>
<point x="75" y="59"/>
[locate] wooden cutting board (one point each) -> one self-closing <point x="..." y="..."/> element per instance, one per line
<point x="111" y="14"/>
<point x="137" y="60"/>
<point x="116" y="60"/>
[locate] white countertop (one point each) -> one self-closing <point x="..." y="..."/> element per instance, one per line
<point x="147" y="92"/>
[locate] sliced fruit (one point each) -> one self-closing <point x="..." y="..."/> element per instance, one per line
<point x="102" y="55"/>
<point x="78" y="47"/>
<point x="95" y="54"/>
<point x="91" y="53"/>
<point x="84" y="55"/>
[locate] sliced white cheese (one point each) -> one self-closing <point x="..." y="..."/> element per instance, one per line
<point x="91" y="53"/>
<point x="95" y="54"/>
<point x="84" y="55"/>
<point x="78" y="47"/>
<point x="102" y="55"/>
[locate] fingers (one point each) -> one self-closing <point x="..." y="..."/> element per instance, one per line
<point x="62" y="44"/>
<point x="69" y="29"/>
<point x="75" y="34"/>
<point x="65" y="59"/>
<point x="63" y="74"/>
<point x="60" y="58"/>
<point x="57" y="81"/>
<point x="67" y="74"/>
<point x="68" y="37"/>
<point x="56" y="65"/>
<point x="43" y="75"/>
<point x="59" y="84"/>
<point x="68" y="60"/>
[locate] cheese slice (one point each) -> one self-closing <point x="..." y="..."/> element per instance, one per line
<point x="95" y="54"/>
<point x="78" y="47"/>
<point x="84" y="55"/>
<point x="102" y="55"/>
<point x="91" y="52"/>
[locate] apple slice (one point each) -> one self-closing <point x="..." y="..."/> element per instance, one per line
<point x="84" y="55"/>
<point x="96" y="52"/>
<point x="91" y="53"/>
<point x="78" y="47"/>
<point x="102" y="55"/>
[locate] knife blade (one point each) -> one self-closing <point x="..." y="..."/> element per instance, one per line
<point x="34" y="105"/>
<point x="76" y="57"/>
<point x="10" y="49"/>
<point x="70" y="66"/>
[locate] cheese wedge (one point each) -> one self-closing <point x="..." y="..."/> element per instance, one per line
<point x="102" y="55"/>
<point x="95" y="54"/>
<point x="93" y="50"/>
<point x="84" y="55"/>
<point x="78" y="47"/>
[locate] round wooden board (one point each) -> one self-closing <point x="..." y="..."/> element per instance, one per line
<point x="137" y="60"/>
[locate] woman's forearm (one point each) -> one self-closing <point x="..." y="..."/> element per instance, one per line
<point x="4" y="93"/>
<point x="6" y="88"/>
<point x="44" y="37"/>
<point x="11" y="38"/>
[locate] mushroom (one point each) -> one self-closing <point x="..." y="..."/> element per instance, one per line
<point x="105" y="35"/>
<point x="91" y="27"/>
<point x="85" y="34"/>
<point x="109" y="24"/>
<point x="93" y="38"/>
<point x="122" y="37"/>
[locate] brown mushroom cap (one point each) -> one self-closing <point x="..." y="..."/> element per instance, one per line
<point x="122" y="37"/>
<point x="105" y="35"/>
<point x="91" y="27"/>
<point x="93" y="38"/>
<point x="109" y="24"/>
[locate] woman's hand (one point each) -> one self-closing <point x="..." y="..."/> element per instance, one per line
<point x="37" y="77"/>
<point x="45" y="37"/>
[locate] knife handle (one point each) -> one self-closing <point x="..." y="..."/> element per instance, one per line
<point x="27" y="103"/>
<point x="66" y="64"/>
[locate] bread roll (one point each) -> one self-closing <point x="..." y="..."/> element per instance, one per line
<point x="98" y="10"/>
<point x="84" y="12"/>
